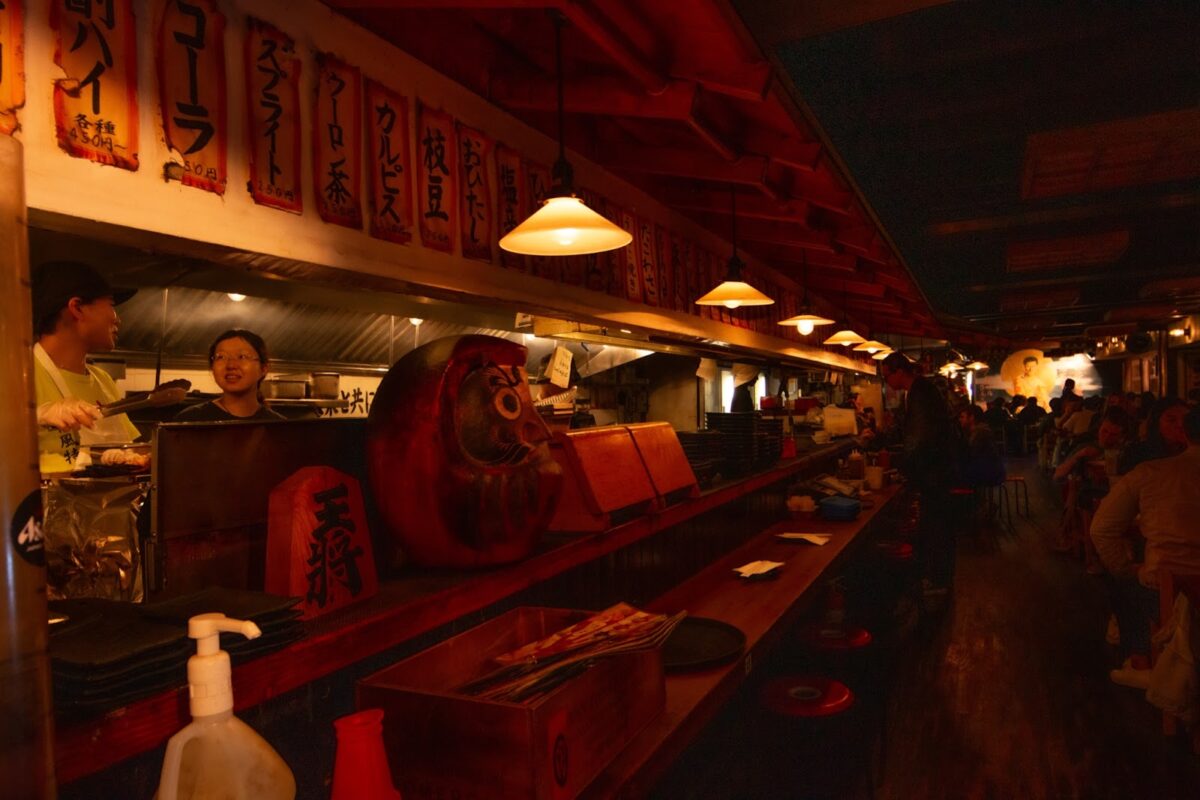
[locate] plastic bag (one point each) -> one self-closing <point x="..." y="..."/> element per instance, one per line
<point x="91" y="531"/>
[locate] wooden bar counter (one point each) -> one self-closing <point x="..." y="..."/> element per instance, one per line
<point x="406" y="607"/>
<point x="761" y="609"/>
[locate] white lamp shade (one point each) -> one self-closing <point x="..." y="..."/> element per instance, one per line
<point x="734" y="294"/>
<point x="845" y="337"/>
<point x="564" y="226"/>
<point x="870" y="346"/>
<point x="806" y="322"/>
<point x="977" y="365"/>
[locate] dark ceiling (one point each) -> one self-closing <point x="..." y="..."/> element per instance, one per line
<point x="1034" y="166"/>
<point x="1038" y="164"/>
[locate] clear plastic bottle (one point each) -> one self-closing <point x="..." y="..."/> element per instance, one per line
<point x="217" y="756"/>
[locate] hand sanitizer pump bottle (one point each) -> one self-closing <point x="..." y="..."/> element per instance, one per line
<point x="217" y="755"/>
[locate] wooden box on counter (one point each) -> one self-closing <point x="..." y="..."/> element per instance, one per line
<point x="605" y="481"/>
<point x="444" y="744"/>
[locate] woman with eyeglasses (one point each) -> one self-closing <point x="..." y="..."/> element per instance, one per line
<point x="239" y="363"/>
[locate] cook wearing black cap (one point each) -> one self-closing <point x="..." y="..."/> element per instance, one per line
<point x="74" y="314"/>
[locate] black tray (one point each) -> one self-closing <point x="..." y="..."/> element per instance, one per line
<point x="699" y="643"/>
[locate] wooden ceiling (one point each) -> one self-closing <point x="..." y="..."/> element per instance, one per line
<point x="1034" y="166"/>
<point x="1037" y="164"/>
<point x="677" y="98"/>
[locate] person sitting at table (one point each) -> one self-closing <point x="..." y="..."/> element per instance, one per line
<point x="239" y="364"/>
<point x="1032" y="413"/>
<point x="1164" y="496"/>
<point x="982" y="463"/>
<point x="1164" y="434"/>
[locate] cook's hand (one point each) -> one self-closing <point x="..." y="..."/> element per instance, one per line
<point x="69" y="414"/>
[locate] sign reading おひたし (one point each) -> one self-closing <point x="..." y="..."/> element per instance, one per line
<point x="437" y="194"/>
<point x="273" y="114"/>
<point x="12" y="64"/>
<point x="337" y="142"/>
<point x="477" y="214"/>
<point x="95" y="103"/>
<point x="389" y="165"/>
<point x="191" y="80"/>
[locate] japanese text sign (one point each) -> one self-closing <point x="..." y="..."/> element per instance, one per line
<point x="477" y="210"/>
<point x="647" y="246"/>
<point x="560" y="367"/>
<point x="512" y="194"/>
<point x="95" y="102"/>
<point x="191" y="81"/>
<point x="436" y="187"/>
<point x="337" y="142"/>
<point x="537" y="179"/>
<point x="12" y="64"/>
<point x="318" y="545"/>
<point x="631" y="261"/>
<point x="389" y="166"/>
<point x="273" y="114"/>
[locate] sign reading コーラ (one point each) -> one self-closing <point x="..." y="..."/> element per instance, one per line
<point x="191" y="80"/>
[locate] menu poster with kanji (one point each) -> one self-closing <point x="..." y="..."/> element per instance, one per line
<point x="631" y="260"/>
<point x="678" y="264"/>
<point x="647" y="245"/>
<point x="595" y="272"/>
<point x="705" y="276"/>
<point x="95" y="102"/>
<point x="538" y="178"/>
<point x="512" y="195"/>
<point x="436" y="176"/>
<point x="666" y="280"/>
<point x="12" y="64"/>
<point x="476" y="208"/>
<point x="613" y="261"/>
<point x="337" y="142"/>
<point x="273" y="114"/>
<point x="389" y="165"/>
<point x="191" y="84"/>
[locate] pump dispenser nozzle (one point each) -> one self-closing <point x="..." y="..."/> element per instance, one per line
<point x="209" y="686"/>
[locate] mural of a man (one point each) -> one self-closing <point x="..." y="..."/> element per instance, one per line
<point x="1030" y="374"/>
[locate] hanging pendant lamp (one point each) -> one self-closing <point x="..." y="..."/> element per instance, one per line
<point x="733" y="292"/>
<point x="845" y="335"/>
<point x="870" y="346"/>
<point x="805" y="321"/>
<point x="564" y="225"/>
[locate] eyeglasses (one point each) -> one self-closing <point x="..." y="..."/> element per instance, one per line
<point x="240" y="358"/>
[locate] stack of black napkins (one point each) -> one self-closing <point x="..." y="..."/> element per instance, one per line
<point x="277" y="618"/>
<point x="107" y="654"/>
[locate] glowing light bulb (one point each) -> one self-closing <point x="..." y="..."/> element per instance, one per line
<point x="733" y="303"/>
<point x="805" y="327"/>
<point x="415" y="321"/>
<point x="237" y="298"/>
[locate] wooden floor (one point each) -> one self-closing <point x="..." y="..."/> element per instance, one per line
<point x="1006" y="694"/>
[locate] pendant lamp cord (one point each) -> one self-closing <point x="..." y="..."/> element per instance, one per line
<point x="563" y="173"/>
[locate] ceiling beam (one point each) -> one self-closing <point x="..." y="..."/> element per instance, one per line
<point x="607" y="96"/>
<point x="672" y="162"/>
<point x="753" y="206"/>
<point x="784" y="234"/>
<point x="818" y="17"/>
<point x="1070" y="213"/>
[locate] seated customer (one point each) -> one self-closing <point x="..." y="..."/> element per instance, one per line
<point x="1164" y="496"/>
<point x="1032" y="413"/>
<point x="1164" y="432"/>
<point x="997" y="415"/>
<point x="239" y="364"/>
<point x="982" y="463"/>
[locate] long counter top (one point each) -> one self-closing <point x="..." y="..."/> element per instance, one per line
<point x="762" y="610"/>
<point x="404" y="608"/>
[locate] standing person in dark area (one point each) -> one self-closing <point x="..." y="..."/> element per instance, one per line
<point x="239" y="362"/>
<point x="1068" y="392"/>
<point x="931" y="455"/>
<point x="744" y="377"/>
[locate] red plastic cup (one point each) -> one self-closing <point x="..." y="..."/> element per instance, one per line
<point x="360" y="768"/>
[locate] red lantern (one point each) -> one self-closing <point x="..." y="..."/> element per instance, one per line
<point x="459" y="459"/>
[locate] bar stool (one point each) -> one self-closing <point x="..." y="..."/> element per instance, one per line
<point x="1020" y="487"/>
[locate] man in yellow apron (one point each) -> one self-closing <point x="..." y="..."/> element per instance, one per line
<point x="74" y="314"/>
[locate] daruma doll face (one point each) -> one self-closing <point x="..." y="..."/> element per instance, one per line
<point x="459" y="459"/>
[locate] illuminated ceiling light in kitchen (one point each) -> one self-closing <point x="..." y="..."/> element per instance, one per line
<point x="416" y="322"/>
<point x="845" y="335"/>
<point x="564" y="225"/>
<point x="870" y="346"/>
<point x="882" y="354"/>
<point x="978" y="365"/>
<point x="733" y="292"/>
<point x="1179" y="331"/>
<point x="806" y="321"/>
<point x="235" y="297"/>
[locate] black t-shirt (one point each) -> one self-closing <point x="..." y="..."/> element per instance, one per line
<point x="211" y="412"/>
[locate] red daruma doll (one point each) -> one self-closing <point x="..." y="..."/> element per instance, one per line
<point x="459" y="459"/>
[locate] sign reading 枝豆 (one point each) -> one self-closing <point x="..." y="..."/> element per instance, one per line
<point x="191" y="80"/>
<point x="436" y="188"/>
<point x="12" y="64"/>
<point x="389" y="167"/>
<point x="273" y="117"/>
<point x="337" y="142"/>
<point x="476" y="210"/>
<point x="512" y="198"/>
<point x="95" y="103"/>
